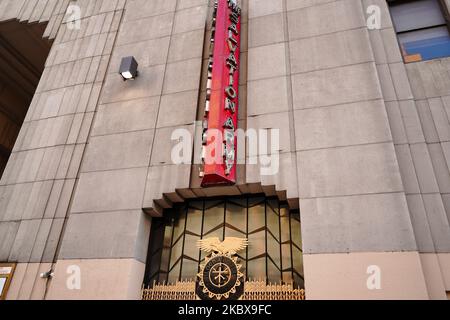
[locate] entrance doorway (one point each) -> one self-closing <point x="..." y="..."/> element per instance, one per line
<point x="271" y="259"/>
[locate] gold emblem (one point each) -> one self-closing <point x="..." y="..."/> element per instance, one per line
<point x="228" y="246"/>
<point x="220" y="277"/>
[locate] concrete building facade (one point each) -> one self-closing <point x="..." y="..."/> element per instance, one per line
<point x="364" y="147"/>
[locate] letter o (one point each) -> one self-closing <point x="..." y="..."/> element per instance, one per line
<point x="231" y="93"/>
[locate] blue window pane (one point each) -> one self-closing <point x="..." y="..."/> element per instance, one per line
<point x="429" y="44"/>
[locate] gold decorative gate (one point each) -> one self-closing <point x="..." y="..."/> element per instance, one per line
<point x="254" y="290"/>
<point x="259" y="290"/>
<point x="183" y="290"/>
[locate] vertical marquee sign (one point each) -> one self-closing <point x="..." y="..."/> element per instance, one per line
<point x="220" y="123"/>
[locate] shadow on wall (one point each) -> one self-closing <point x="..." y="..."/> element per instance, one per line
<point x="23" y="52"/>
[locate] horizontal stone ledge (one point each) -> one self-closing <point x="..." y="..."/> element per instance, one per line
<point x="168" y="200"/>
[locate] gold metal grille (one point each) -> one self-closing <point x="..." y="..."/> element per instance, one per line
<point x="259" y="290"/>
<point x="182" y="290"/>
<point x="253" y="290"/>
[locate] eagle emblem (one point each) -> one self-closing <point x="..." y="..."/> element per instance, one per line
<point x="220" y="276"/>
<point x="230" y="246"/>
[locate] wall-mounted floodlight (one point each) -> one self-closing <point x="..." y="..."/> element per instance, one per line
<point x="129" y="68"/>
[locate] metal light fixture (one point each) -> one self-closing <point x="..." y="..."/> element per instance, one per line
<point x="47" y="275"/>
<point x="129" y="68"/>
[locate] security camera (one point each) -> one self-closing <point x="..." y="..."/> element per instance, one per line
<point x="47" y="275"/>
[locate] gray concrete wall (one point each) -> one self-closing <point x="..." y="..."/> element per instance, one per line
<point x="415" y="95"/>
<point x="39" y="181"/>
<point x="351" y="194"/>
<point x="127" y="164"/>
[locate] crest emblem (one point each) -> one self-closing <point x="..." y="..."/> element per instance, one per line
<point x="220" y="277"/>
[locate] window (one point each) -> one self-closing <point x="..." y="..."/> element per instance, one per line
<point x="2" y="285"/>
<point x="422" y="29"/>
<point x="274" y="253"/>
<point x="6" y="273"/>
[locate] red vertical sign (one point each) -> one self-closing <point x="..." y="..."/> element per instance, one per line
<point x="221" y="114"/>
